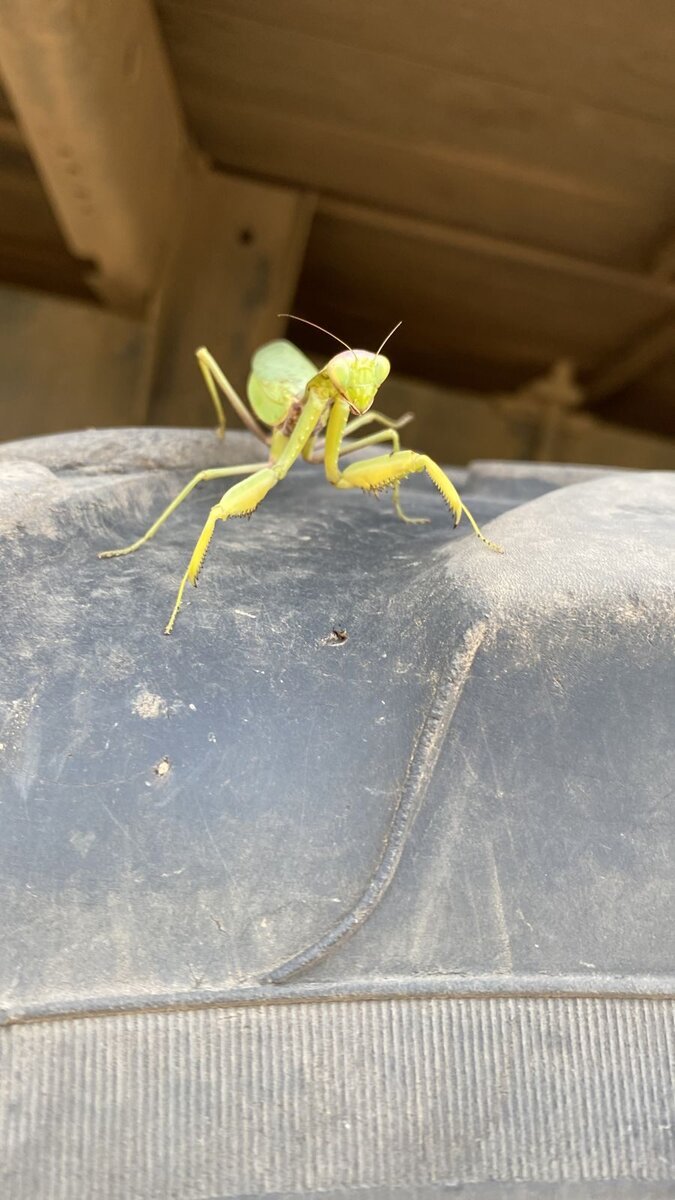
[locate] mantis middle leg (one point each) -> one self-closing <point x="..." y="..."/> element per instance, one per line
<point x="201" y="477"/>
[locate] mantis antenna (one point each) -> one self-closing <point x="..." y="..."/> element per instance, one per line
<point x="292" y="317"/>
<point x="389" y="335"/>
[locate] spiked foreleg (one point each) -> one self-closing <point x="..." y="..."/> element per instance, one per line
<point x="373" y="439"/>
<point x="372" y="417"/>
<point x="387" y="470"/>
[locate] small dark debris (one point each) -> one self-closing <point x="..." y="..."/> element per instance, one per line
<point x="337" y="637"/>
<point x="162" y="767"/>
<point x="246" y="237"/>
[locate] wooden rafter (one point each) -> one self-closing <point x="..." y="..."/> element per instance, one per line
<point x="95" y="98"/>
<point x="190" y="254"/>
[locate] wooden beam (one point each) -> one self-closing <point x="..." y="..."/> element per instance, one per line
<point x="234" y="266"/>
<point x="95" y="98"/>
<point x="499" y="248"/>
<point x="65" y="365"/>
<point x="647" y="351"/>
<point x="458" y="427"/>
<point x="663" y="264"/>
<point x="648" y="338"/>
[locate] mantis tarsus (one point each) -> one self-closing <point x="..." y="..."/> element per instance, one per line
<point x="299" y="411"/>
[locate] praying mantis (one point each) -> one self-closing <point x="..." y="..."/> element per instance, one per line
<point x="299" y="411"/>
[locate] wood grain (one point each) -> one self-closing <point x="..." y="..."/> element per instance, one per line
<point x="284" y="96"/>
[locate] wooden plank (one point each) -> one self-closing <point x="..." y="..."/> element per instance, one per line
<point x="663" y="265"/>
<point x="32" y="249"/>
<point x="449" y="146"/>
<point x="65" y="365"/>
<point x="458" y="427"/>
<point x="473" y="191"/>
<point x="96" y="101"/>
<point x="476" y="311"/>
<point x="616" y="57"/>
<point x="633" y="361"/>
<point x="489" y="246"/>
<point x="648" y="403"/>
<point x="235" y="266"/>
<point x="282" y="69"/>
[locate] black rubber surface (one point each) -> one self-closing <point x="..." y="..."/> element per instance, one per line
<point x="287" y="911"/>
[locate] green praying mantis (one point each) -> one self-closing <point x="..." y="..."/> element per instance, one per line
<point x="299" y="411"/>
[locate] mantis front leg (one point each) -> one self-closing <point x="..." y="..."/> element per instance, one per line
<point x="388" y="434"/>
<point x="372" y="417"/>
<point x="387" y="470"/>
<point x="385" y="435"/>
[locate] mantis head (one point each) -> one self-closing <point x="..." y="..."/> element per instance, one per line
<point x="356" y="374"/>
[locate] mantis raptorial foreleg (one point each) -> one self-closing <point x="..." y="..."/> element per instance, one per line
<point x="385" y="435"/>
<point x="214" y="375"/>
<point x="388" y="434"/>
<point x="372" y="474"/>
<point x="201" y="477"/>
<point x="378" y="418"/>
<point x="387" y="470"/>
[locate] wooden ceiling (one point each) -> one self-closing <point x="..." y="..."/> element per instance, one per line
<point x="498" y="173"/>
<point x="548" y="124"/>
<point x="538" y="126"/>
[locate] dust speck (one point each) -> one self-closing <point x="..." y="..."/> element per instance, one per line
<point x="149" y="706"/>
<point x="14" y="718"/>
<point x="163" y="767"/>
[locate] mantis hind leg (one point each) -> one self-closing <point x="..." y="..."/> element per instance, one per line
<point x="373" y="474"/>
<point x="201" y="477"/>
<point x="214" y="375"/>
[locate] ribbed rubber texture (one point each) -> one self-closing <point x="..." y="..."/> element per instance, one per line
<point x="248" y="1100"/>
